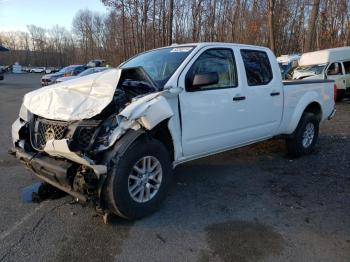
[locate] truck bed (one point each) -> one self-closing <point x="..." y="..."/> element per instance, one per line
<point x="298" y="94"/>
<point x="302" y="82"/>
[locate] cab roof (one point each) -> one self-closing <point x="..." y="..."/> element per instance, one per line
<point x="205" y="44"/>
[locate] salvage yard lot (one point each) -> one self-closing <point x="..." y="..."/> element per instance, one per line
<point x="250" y="204"/>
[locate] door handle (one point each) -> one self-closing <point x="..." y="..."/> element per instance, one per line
<point x="275" y="94"/>
<point x="238" y="98"/>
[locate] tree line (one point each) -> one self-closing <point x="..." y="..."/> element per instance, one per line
<point x="133" y="26"/>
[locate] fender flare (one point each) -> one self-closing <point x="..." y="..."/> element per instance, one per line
<point x="122" y="144"/>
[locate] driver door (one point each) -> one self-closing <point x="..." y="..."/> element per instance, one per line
<point x="335" y="72"/>
<point x="209" y="115"/>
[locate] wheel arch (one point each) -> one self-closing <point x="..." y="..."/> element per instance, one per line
<point x="162" y="133"/>
<point x="315" y="108"/>
<point x="309" y="103"/>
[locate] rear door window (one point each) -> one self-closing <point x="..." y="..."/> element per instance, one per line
<point x="257" y="66"/>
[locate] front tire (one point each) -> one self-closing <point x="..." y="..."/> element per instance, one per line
<point x="138" y="181"/>
<point x="304" y="137"/>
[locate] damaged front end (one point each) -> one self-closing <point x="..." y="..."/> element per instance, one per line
<point x="58" y="153"/>
<point x="68" y="151"/>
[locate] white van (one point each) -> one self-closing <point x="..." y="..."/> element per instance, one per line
<point x="331" y="64"/>
<point x="287" y="64"/>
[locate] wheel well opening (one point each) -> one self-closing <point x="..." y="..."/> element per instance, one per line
<point x="314" y="108"/>
<point x="161" y="133"/>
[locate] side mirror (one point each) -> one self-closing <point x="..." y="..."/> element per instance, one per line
<point x="200" y="80"/>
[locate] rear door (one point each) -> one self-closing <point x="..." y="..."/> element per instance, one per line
<point x="335" y="72"/>
<point x="263" y="91"/>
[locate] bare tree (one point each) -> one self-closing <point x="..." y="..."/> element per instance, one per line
<point x="310" y="34"/>
<point x="170" y="22"/>
<point x="271" y="4"/>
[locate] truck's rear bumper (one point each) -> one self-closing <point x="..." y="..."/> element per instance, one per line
<point x="53" y="171"/>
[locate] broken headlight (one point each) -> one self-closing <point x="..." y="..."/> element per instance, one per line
<point x="106" y="130"/>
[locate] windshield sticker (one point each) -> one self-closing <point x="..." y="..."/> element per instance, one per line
<point x="181" y="49"/>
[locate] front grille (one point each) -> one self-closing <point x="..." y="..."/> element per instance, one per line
<point x="80" y="135"/>
<point x="45" y="130"/>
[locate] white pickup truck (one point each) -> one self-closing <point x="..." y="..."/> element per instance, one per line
<point x="114" y="137"/>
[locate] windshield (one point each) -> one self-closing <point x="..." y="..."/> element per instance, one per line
<point x="160" y="64"/>
<point x="315" y="69"/>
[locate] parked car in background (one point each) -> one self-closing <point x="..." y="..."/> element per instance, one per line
<point x="331" y="64"/>
<point x="51" y="70"/>
<point x="96" y="63"/>
<point x="1" y="74"/>
<point x="287" y="65"/>
<point x="17" y="68"/>
<point x="113" y="138"/>
<point x="71" y="70"/>
<point x="3" y="69"/>
<point x="86" y="72"/>
<point x="37" y="70"/>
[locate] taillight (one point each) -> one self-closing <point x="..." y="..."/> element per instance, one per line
<point x="335" y="92"/>
<point x="67" y="74"/>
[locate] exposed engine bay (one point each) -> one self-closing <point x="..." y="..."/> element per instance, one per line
<point x="134" y="82"/>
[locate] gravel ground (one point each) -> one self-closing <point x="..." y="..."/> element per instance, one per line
<point x="250" y="204"/>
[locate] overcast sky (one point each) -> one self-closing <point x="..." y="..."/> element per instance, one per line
<point x="17" y="14"/>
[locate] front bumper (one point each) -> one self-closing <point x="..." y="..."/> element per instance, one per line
<point x="57" y="172"/>
<point x="55" y="164"/>
<point x="46" y="82"/>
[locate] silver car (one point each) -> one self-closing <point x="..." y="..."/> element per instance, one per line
<point x="71" y="70"/>
<point x="86" y="72"/>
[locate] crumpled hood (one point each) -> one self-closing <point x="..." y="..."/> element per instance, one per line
<point x="77" y="99"/>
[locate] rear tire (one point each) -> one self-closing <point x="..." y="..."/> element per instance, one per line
<point x="138" y="181"/>
<point x="304" y="137"/>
